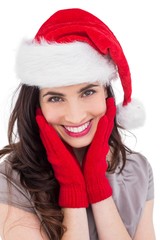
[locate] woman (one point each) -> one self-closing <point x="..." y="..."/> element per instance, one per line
<point x="67" y="173"/>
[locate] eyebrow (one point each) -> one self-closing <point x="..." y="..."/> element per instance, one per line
<point x="88" y="86"/>
<point x="53" y="93"/>
<point x="63" y="95"/>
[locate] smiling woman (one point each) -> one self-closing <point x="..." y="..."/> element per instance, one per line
<point x="66" y="172"/>
<point x="70" y="111"/>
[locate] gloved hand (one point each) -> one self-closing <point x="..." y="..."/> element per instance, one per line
<point x="95" y="164"/>
<point x="65" y="166"/>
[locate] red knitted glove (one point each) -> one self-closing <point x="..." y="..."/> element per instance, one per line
<point x="66" y="168"/>
<point x="95" y="165"/>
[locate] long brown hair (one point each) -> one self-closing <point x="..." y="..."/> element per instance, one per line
<point x="28" y="157"/>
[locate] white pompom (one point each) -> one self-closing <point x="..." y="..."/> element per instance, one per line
<point x="132" y="115"/>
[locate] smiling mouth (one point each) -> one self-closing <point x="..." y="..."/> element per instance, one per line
<point x="78" y="131"/>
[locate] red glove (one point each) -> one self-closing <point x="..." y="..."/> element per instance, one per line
<point x="65" y="166"/>
<point x="95" y="164"/>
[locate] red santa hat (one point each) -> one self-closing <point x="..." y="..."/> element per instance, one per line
<point x="73" y="46"/>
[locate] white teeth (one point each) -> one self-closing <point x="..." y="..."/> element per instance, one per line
<point x="77" y="129"/>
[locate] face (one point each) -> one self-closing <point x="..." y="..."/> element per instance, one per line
<point x="74" y="111"/>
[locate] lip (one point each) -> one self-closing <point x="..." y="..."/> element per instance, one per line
<point x="79" y="134"/>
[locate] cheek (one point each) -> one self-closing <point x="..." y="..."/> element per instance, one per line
<point x="51" y="115"/>
<point x="99" y="108"/>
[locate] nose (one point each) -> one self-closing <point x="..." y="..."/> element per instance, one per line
<point x="75" y="114"/>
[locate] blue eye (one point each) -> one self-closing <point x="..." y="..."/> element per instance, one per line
<point x="88" y="93"/>
<point x="55" y="99"/>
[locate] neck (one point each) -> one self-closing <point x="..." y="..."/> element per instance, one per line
<point x="79" y="153"/>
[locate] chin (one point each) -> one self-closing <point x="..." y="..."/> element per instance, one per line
<point x="76" y="143"/>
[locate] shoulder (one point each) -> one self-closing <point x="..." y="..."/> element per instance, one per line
<point x="8" y="173"/>
<point x="136" y="177"/>
<point x="12" y="192"/>
<point x="6" y="170"/>
<point x="136" y="159"/>
<point x="139" y="165"/>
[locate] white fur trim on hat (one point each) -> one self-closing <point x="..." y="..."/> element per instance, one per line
<point x="61" y="64"/>
<point x="132" y="115"/>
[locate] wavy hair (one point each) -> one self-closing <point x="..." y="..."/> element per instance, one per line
<point x="28" y="157"/>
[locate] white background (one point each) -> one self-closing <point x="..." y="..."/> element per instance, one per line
<point x="136" y="25"/>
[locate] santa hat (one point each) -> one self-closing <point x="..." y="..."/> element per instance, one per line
<point x="73" y="46"/>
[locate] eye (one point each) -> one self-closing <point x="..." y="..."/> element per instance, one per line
<point x="55" y="99"/>
<point x="88" y="92"/>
